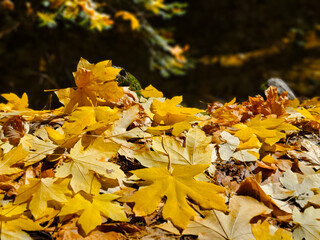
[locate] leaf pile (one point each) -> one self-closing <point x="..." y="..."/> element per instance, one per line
<point x="110" y="164"/>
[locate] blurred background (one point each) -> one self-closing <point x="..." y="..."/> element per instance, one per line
<point x="205" y="50"/>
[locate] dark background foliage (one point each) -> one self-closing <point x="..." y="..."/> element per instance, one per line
<point x="34" y="58"/>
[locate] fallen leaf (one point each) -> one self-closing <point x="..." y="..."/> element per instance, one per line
<point x="234" y="226"/>
<point x="176" y="186"/>
<point x="39" y="192"/>
<point x="83" y="163"/>
<point x="90" y="212"/>
<point x="308" y="224"/>
<point x="261" y="231"/>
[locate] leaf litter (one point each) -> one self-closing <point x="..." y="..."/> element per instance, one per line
<point x="110" y="164"/>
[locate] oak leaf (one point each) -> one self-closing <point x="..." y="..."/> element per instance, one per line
<point x="176" y="186"/>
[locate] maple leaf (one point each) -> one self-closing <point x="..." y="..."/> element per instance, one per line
<point x="308" y="224"/>
<point x="71" y="98"/>
<point x="40" y="191"/>
<point x="235" y="226"/>
<point x="90" y="211"/>
<point x="227" y="150"/>
<point x="176" y="186"/>
<point x="10" y="211"/>
<point x="250" y="187"/>
<point x="92" y="81"/>
<point x="12" y="222"/>
<point x="37" y="149"/>
<point x="82" y="120"/>
<point x="261" y="231"/>
<point x="176" y="129"/>
<point x="198" y="150"/>
<point x="269" y="130"/>
<point x="312" y="154"/>
<point x="15" y="155"/>
<point x="278" y="195"/>
<point x="13" y="229"/>
<point x="151" y="91"/>
<point x="301" y="190"/>
<point x="273" y="105"/>
<point x="83" y="163"/>
<point x="118" y="132"/>
<point x="14" y="102"/>
<point x="169" y="111"/>
<point x="227" y="114"/>
<point x="311" y="115"/>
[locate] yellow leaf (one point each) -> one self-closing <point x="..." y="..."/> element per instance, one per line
<point x="83" y="78"/>
<point x="180" y="127"/>
<point x="13" y="229"/>
<point x="83" y="63"/>
<point x="269" y="130"/>
<point x="103" y="72"/>
<point x="90" y="211"/>
<point x="92" y="80"/>
<point x="73" y="98"/>
<point x="129" y="16"/>
<point x="169" y="111"/>
<point x="269" y="159"/>
<point x="83" y="163"/>
<point x="57" y="137"/>
<point x="176" y="128"/>
<point x="14" y="102"/>
<point x="151" y="91"/>
<point x="110" y="91"/>
<point x="261" y="231"/>
<point x="15" y="155"/>
<point x="12" y="211"/>
<point x="37" y="149"/>
<point x="158" y="130"/>
<point x="82" y="119"/>
<point x="253" y="142"/>
<point x="41" y="191"/>
<point x="176" y="186"/>
<point x="197" y="150"/>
